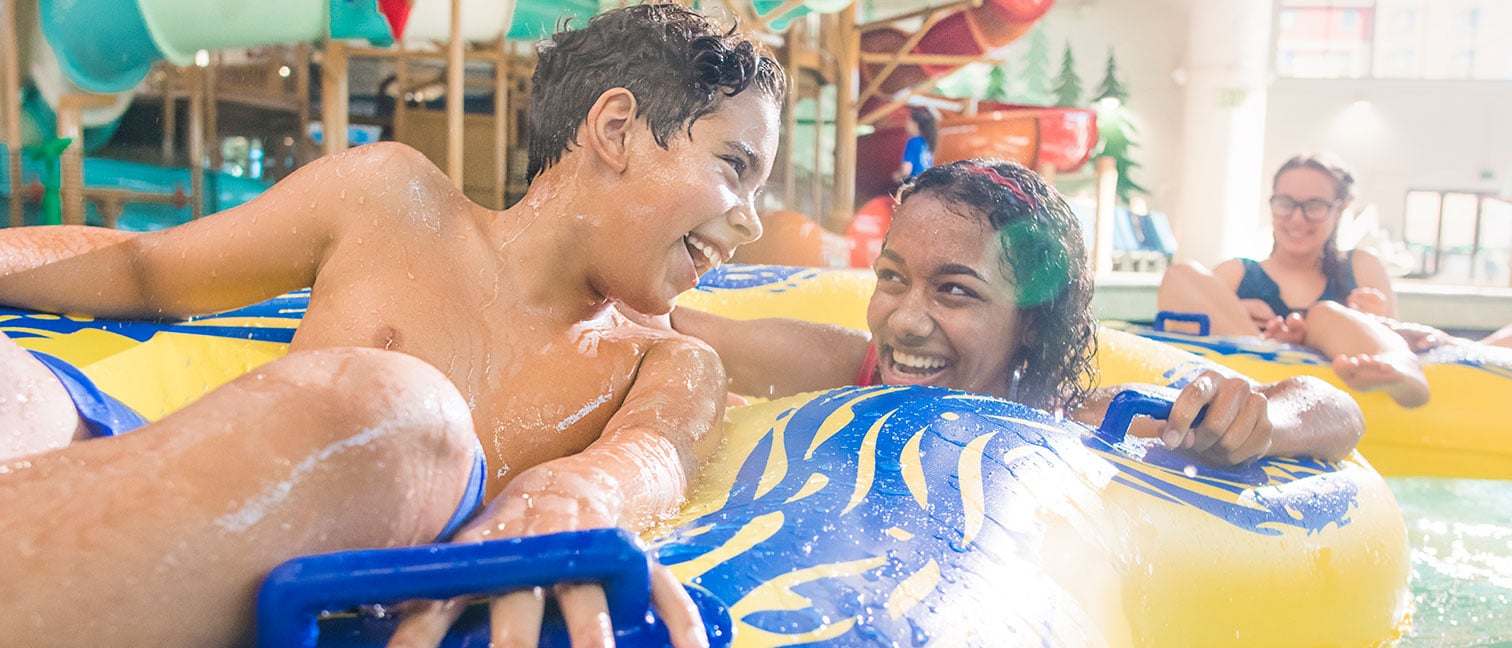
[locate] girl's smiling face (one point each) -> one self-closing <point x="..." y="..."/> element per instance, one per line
<point x="1294" y="231"/>
<point x="943" y="312"/>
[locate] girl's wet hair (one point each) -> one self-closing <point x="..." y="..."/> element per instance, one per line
<point x="1332" y="261"/>
<point x="676" y="62"/>
<point x="1044" y="257"/>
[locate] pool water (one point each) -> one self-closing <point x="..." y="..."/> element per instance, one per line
<point x="1461" y="536"/>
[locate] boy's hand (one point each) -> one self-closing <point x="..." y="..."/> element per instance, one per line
<point x="1367" y="300"/>
<point x="550" y="498"/>
<point x="1290" y="329"/>
<point x="1236" y="429"/>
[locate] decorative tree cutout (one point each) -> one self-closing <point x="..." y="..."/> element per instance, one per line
<point x="1068" y="88"/>
<point x="1116" y="134"/>
<point x="998" y="84"/>
<point x="1035" y="80"/>
<point x="1111" y="88"/>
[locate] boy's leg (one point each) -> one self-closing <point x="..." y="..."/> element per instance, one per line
<point x="1189" y="287"/>
<point x="1366" y="355"/>
<point x="162" y="536"/>
<point x="36" y="413"/>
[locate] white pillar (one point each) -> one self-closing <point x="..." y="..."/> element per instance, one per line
<point x="1226" y="73"/>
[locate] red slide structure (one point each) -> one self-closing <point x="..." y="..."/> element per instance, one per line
<point x="1037" y="137"/>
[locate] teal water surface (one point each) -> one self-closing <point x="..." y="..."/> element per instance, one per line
<point x="1461" y="536"/>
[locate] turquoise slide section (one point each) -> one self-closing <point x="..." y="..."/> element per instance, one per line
<point x="222" y="191"/>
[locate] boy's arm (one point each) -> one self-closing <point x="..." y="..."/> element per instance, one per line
<point x="774" y="357"/>
<point x="636" y="473"/>
<point x="1298" y="416"/>
<point x="255" y="251"/>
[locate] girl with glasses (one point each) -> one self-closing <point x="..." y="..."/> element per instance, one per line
<point x="1307" y="292"/>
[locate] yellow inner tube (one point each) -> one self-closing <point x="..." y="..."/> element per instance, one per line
<point x="910" y="515"/>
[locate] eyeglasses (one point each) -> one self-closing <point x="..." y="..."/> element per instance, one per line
<point x="1315" y="211"/>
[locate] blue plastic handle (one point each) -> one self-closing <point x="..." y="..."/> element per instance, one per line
<point x="297" y="592"/>
<point x="1130" y="403"/>
<point x="1204" y="325"/>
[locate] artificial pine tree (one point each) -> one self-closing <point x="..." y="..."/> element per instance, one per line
<point x="1116" y="134"/>
<point x="1068" y="88"/>
<point x="1036" y="77"/>
<point x="997" y="84"/>
<point x="1111" y="87"/>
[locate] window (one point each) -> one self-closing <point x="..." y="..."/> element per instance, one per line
<point x="1459" y="237"/>
<point x="1394" y="39"/>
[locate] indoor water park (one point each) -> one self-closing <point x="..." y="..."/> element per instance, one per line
<point x="687" y="323"/>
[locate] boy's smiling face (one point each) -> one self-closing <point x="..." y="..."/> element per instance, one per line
<point x="683" y="210"/>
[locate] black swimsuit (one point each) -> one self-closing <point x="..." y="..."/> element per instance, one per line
<point x="1256" y="284"/>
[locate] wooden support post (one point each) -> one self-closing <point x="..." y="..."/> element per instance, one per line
<point x="197" y="145"/>
<point x="170" y="113"/>
<point x="302" y="92"/>
<point x="786" y="161"/>
<point x="334" y="96"/>
<point x="10" y="102"/>
<point x="211" y="74"/>
<point x="848" y="45"/>
<point x="501" y="125"/>
<point x="816" y="178"/>
<point x="71" y="164"/>
<point x="1107" y="200"/>
<point x="456" y="66"/>
<point x="401" y="81"/>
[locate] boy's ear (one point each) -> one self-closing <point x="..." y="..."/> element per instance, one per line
<point x="608" y="127"/>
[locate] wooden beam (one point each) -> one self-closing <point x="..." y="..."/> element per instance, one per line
<point x="878" y="113"/>
<point x="302" y="90"/>
<point x="1107" y="200"/>
<point x="197" y="145"/>
<point x="848" y="44"/>
<point x="896" y="58"/>
<point x="456" y="67"/>
<point x="927" y="59"/>
<point x="10" y="102"/>
<point x="71" y="164"/>
<point x="334" y="95"/>
<point x="951" y="7"/>
<point x="501" y="128"/>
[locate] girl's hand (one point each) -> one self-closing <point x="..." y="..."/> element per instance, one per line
<point x="1236" y="429"/>
<point x="1367" y="300"/>
<point x="1290" y="329"/>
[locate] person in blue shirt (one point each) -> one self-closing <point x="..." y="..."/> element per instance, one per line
<point x="918" y="153"/>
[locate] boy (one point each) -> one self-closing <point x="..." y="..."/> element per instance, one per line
<point x="652" y="131"/>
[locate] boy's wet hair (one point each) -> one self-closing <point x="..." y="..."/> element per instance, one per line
<point x="676" y="62"/>
<point x="1045" y="258"/>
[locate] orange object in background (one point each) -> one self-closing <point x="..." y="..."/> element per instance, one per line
<point x="868" y="229"/>
<point x="792" y="239"/>
<point x="1033" y="136"/>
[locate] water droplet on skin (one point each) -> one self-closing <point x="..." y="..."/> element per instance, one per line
<point x="411" y="275"/>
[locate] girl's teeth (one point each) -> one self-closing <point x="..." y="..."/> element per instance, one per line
<point x="917" y="362"/>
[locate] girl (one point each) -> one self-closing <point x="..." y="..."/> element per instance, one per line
<point x="982" y="285"/>
<point x="1306" y="292"/>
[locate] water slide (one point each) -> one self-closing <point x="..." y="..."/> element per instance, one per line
<point x="1031" y="135"/>
<point x="107" y="47"/>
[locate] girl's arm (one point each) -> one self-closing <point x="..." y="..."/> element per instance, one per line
<point x="1299" y="416"/>
<point x="774" y="357"/>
